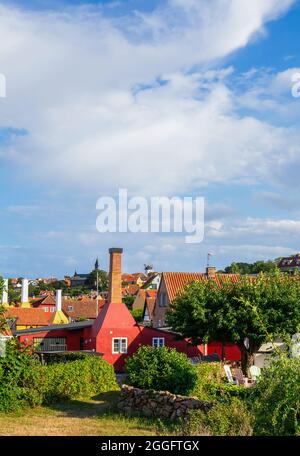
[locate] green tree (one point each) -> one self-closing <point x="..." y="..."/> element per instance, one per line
<point x="102" y="279"/>
<point x="251" y="268"/>
<point x="128" y="301"/>
<point x="253" y="309"/>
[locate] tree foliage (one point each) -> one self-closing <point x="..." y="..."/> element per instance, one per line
<point x="251" y="268"/>
<point x="102" y="280"/>
<point x="161" y="369"/>
<point x="258" y="309"/>
<point x="276" y="399"/>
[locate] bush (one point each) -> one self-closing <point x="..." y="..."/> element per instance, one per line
<point x="161" y="369"/>
<point x="276" y="399"/>
<point x="22" y="379"/>
<point x="25" y="382"/>
<point x="230" y="419"/>
<point x="229" y="416"/>
<point x="212" y="384"/>
<point x="54" y="358"/>
<point x="82" y="378"/>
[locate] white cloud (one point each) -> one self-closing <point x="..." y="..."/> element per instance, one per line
<point x="71" y="79"/>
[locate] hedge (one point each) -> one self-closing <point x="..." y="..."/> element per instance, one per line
<point x="82" y="378"/>
<point x="25" y="382"/>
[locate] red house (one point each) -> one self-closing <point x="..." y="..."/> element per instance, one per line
<point x="114" y="334"/>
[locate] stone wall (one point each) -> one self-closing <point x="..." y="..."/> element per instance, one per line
<point x="158" y="403"/>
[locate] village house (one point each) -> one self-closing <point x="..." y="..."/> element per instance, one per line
<point x="34" y="313"/>
<point x="114" y="333"/>
<point x="82" y="308"/>
<point x="172" y="283"/>
<point x="290" y="264"/>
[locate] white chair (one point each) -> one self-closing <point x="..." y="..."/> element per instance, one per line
<point x="255" y="372"/>
<point x="229" y="374"/>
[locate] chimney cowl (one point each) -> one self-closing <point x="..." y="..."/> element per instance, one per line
<point x="115" y="250"/>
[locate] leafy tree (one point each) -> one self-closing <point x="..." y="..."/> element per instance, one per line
<point x="102" y="279"/>
<point x="161" y="369"/>
<point x="253" y="309"/>
<point x="137" y="315"/>
<point x="128" y="300"/>
<point x="251" y="268"/>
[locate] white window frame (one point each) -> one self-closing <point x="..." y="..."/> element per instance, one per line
<point x="156" y="342"/>
<point x="121" y="350"/>
<point x="70" y="309"/>
<point x="46" y="309"/>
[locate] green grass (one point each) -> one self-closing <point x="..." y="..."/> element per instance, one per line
<point x="98" y="416"/>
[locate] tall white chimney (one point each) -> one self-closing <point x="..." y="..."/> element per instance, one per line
<point x="24" y="292"/>
<point x="5" y="292"/>
<point x="58" y="300"/>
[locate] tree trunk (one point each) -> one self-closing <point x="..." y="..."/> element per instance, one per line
<point x="247" y="359"/>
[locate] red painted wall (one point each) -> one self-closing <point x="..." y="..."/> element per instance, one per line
<point x="72" y="337"/>
<point x="230" y="351"/>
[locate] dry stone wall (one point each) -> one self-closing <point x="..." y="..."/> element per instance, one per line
<point x="159" y="403"/>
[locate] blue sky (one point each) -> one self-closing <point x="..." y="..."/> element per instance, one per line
<point x="74" y="127"/>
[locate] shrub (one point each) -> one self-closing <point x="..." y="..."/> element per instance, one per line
<point x="22" y="379"/>
<point x="276" y="399"/>
<point x="229" y="419"/>
<point x="230" y="415"/>
<point x="212" y="384"/>
<point x="82" y="378"/>
<point x="54" y="358"/>
<point x="161" y="369"/>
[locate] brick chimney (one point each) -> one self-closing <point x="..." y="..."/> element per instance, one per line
<point x="211" y="271"/>
<point x="115" y="279"/>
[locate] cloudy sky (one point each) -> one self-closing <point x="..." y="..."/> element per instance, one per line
<point x="161" y="97"/>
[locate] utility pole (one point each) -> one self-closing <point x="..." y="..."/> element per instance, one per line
<point x="97" y="285"/>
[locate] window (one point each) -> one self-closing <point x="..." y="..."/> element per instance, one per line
<point x="163" y="299"/>
<point x="46" y="309"/>
<point x="48" y="344"/>
<point x="119" y="345"/>
<point x="52" y="309"/>
<point x="158" y="342"/>
<point x="70" y="308"/>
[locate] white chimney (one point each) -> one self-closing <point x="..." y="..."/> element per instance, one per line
<point x="24" y="292"/>
<point x="58" y="300"/>
<point x="4" y="293"/>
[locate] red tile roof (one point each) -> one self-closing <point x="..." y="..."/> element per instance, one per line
<point x="130" y="290"/>
<point x="150" y="303"/>
<point x="28" y="317"/>
<point x="43" y="300"/>
<point x="82" y="308"/>
<point x="176" y="281"/>
<point x="151" y="293"/>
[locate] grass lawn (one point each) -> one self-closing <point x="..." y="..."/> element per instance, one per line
<point x="97" y="416"/>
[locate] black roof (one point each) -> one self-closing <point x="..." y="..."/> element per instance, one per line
<point x="69" y="327"/>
